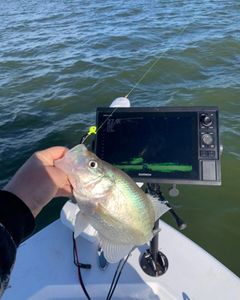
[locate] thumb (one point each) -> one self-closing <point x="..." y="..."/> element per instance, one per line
<point x="48" y="156"/>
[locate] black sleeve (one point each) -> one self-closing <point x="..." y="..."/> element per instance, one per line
<point x="16" y="223"/>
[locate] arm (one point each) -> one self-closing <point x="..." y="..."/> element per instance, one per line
<point x="31" y="188"/>
<point x="16" y="223"/>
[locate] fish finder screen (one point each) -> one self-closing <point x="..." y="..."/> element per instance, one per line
<point x="150" y="144"/>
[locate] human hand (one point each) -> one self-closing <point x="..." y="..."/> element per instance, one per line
<point x="38" y="180"/>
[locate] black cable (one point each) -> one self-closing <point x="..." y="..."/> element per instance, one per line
<point x="114" y="277"/>
<point x="117" y="276"/>
<point x="79" y="265"/>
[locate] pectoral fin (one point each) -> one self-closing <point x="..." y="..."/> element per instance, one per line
<point x="81" y="222"/>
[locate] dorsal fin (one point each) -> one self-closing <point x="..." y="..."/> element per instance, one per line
<point x="159" y="207"/>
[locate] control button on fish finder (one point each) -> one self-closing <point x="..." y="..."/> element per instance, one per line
<point x="205" y="120"/>
<point x="207" y="139"/>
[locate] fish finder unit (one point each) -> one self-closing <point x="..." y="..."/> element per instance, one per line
<point x="161" y="144"/>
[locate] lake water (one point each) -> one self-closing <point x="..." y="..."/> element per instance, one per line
<point x="59" y="60"/>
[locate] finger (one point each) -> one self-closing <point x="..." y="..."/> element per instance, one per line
<point x="49" y="155"/>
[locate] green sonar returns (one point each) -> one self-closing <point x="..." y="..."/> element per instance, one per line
<point x="162" y="167"/>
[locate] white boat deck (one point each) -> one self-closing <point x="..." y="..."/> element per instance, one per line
<point x="44" y="269"/>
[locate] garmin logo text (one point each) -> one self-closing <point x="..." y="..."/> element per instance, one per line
<point x="145" y="174"/>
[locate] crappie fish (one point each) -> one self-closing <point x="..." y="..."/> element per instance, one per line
<point x="121" y="213"/>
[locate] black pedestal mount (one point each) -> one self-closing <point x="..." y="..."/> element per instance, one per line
<point x="153" y="262"/>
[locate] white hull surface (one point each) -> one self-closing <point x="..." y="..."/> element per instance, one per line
<point x="44" y="269"/>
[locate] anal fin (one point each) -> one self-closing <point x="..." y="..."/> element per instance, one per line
<point x="114" y="252"/>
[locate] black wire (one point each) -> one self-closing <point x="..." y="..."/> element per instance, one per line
<point x="77" y="263"/>
<point x="115" y="279"/>
<point x="117" y="276"/>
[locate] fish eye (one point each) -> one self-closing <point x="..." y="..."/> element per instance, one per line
<point x="93" y="164"/>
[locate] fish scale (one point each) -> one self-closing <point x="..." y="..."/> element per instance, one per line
<point x="138" y="200"/>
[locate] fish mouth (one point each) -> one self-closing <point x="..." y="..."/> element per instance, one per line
<point x="74" y="159"/>
<point x="80" y="149"/>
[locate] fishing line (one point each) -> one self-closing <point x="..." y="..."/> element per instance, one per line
<point x="85" y="137"/>
<point x="138" y="82"/>
<point x="106" y="119"/>
<point x="154" y="63"/>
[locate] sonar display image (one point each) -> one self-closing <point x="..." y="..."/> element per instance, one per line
<point x="156" y="146"/>
<point x="137" y="164"/>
